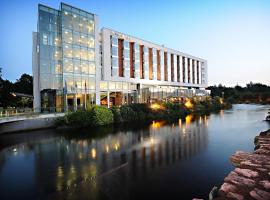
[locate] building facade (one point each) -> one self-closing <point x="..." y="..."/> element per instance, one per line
<point x="75" y="64"/>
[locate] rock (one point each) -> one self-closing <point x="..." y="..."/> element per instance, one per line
<point x="227" y="187"/>
<point x="265" y="184"/>
<point x="259" y="194"/>
<point x="234" y="178"/>
<point x="246" y="172"/>
<point x="235" y="196"/>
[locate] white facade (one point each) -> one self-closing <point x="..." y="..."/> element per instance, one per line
<point x="110" y="72"/>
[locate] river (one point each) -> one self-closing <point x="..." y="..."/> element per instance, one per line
<point x="154" y="160"/>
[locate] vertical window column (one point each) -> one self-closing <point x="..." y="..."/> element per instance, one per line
<point x="150" y="61"/>
<point x="114" y="57"/>
<point x="141" y="62"/>
<point x="162" y="74"/>
<point x="178" y="68"/>
<point x="184" y="69"/>
<point x="165" y="67"/>
<point x="120" y="58"/>
<point x="137" y="60"/>
<point x="172" y="67"/>
<point x="188" y="70"/>
<point x="158" y="66"/>
<point x="198" y="72"/>
<point x="126" y="59"/>
<point x="169" y="66"/>
<point x="145" y="62"/>
<point x="154" y="51"/>
<point x="132" y="60"/>
<point x="193" y="71"/>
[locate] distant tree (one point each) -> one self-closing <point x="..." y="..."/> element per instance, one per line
<point x="24" y="84"/>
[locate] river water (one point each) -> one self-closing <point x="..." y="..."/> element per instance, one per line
<point x="157" y="160"/>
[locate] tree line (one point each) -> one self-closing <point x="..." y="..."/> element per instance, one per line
<point x="251" y="93"/>
<point x="9" y="91"/>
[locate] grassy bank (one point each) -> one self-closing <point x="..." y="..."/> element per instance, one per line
<point x="99" y="116"/>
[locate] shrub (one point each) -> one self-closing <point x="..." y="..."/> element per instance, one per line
<point x="80" y="118"/>
<point x="127" y="113"/>
<point x="117" y="118"/>
<point x="101" y="116"/>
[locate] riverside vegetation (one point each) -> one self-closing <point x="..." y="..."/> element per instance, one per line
<point x="99" y="116"/>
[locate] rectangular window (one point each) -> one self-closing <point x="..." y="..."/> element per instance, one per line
<point x="45" y="39"/>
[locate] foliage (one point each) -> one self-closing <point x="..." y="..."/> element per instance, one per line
<point x="22" y="85"/>
<point x="95" y="116"/>
<point x="117" y="118"/>
<point x="252" y="93"/>
<point x="127" y="113"/>
<point x="101" y="116"/>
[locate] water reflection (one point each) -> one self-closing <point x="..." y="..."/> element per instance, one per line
<point x="66" y="163"/>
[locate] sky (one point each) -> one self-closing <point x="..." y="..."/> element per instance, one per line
<point x="232" y="35"/>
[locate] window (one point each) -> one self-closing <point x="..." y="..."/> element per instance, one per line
<point x="114" y="51"/>
<point x="45" y="39"/>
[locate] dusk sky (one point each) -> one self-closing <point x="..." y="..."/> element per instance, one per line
<point x="233" y="35"/>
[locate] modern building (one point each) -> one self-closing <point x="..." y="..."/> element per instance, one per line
<point x="75" y="64"/>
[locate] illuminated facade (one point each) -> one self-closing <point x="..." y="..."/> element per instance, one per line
<point x="75" y="65"/>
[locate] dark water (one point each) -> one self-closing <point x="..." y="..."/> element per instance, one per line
<point x="151" y="161"/>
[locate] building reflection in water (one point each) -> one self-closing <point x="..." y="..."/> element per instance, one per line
<point x="109" y="164"/>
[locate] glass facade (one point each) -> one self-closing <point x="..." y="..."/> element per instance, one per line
<point x="66" y="56"/>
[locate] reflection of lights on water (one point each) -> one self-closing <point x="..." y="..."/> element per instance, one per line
<point x="184" y="130"/>
<point x="206" y="120"/>
<point x="155" y="106"/>
<point x="155" y="124"/>
<point x="14" y="149"/>
<point x="180" y="123"/>
<point x="60" y="172"/>
<point x="80" y="156"/>
<point x="221" y="113"/>
<point x="116" y="146"/>
<point x="107" y="148"/>
<point x="188" y="119"/>
<point x="200" y="120"/>
<point x="93" y="153"/>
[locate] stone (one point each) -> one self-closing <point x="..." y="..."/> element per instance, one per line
<point x="259" y="194"/>
<point x="227" y="187"/>
<point x="234" y="178"/>
<point x="235" y="196"/>
<point x="265" y="184"/>
<point x="246" y="172"/>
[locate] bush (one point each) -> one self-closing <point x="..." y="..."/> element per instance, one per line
<point x="101" y="116"/>
<point x="117" y="118"/>
<point x="127" y="113"/>
<point x="80" y="118"/>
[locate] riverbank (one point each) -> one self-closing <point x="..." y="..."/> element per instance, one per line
<point x="99" y="116"/>
<point x="250" y="178"/>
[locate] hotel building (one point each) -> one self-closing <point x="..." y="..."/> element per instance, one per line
<point x="75" y="64"/>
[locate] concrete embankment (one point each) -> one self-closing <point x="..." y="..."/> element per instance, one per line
<point x="27" y="123"/>
<point x="251" y="177"/>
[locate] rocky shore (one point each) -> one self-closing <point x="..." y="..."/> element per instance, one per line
<point x="251" y="177"/>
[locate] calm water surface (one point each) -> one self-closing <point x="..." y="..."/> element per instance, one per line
<point x="151" y="161"/>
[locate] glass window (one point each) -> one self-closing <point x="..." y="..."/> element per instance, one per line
<point x="84" y="67"/>
<point x="92" y="83"/>
<point x="68" y="65"/>
<point x="111" y="85"/>
<point x="45" y="66"/>
<point x="118" y="85"/>
<point x="45" y="39"/>
<point x="77" y="66"/>
<point x="114" y="62"/>
<point x="114" y="51"/>
<point x="114" y="41"/>
<point x="67" y="36"/>
<point x="68" y="82"/>
<point x="126" y="44"/>
<point x="103" y="85"/>
<point x="91" y="55"/>
<point x="91" y="42"/>
<point x="92" y="68"/>
<point x="67" y="50"/>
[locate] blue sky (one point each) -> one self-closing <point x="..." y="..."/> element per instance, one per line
<point x="233" y="35"/>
